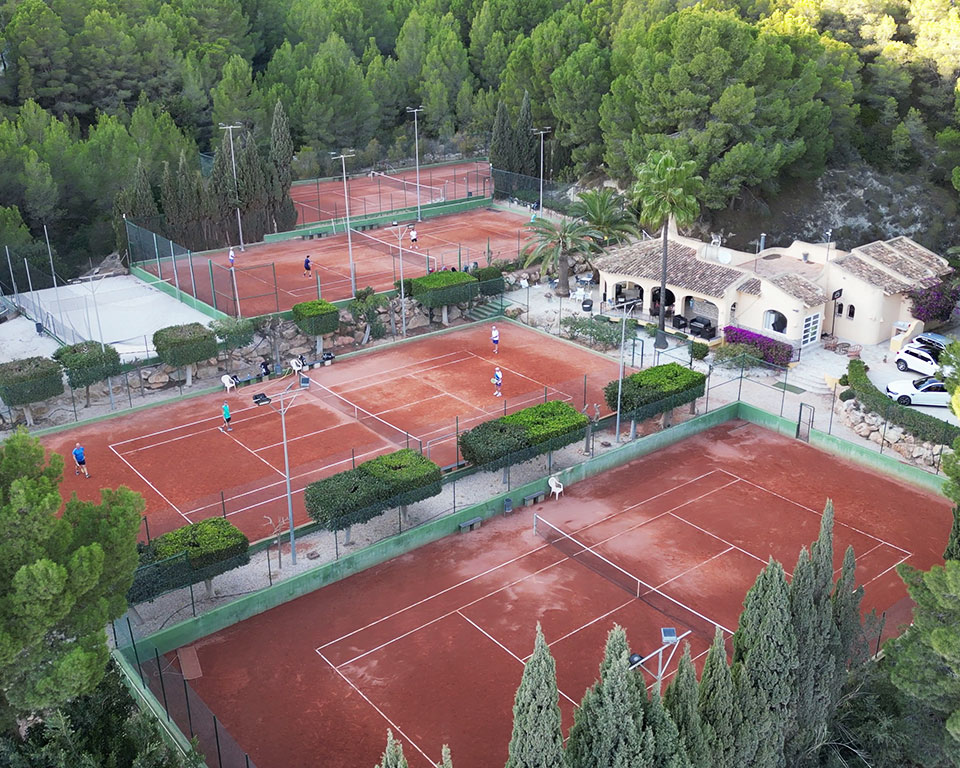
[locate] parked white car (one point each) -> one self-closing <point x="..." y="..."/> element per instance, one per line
<point x="935" y="340"/>
<point x="928" y="390"/>
<point x="925" y="360"/>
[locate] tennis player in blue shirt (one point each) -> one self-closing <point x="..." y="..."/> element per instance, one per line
<point x="81" y="461"/>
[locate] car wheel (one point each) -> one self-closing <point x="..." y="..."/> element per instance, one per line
<point x="902" y="365"/>
<point x="903" y="400"/>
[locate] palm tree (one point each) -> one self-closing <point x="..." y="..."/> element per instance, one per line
<point x="665" y="188"/>
<point x="553" y="243"/>
<point x="607" y="212"/>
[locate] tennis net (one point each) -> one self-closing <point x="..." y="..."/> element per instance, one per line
<point x="416" y="259"/>
<point x="435" y="194"/>
<point x="374" y="423"/>
<point x="696" y="622"/>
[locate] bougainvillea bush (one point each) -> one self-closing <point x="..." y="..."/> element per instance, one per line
<point x="771" y="350"/>
<point x="935" y="302"/>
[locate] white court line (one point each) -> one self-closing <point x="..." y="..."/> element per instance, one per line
<point x="188" y="435"/>
<point x="380" y="712"/>
<point x="483" y="631"/>
<point x="819" y="514"/>
<point x="886" y="571"/>
<point x="254" y="454"/>
<point x="174" y="506"/>
<point x="601" y="617"/>
<point x="309" y="434"/>
<point x="382" y="375"/>
<point x="515" y="373"/>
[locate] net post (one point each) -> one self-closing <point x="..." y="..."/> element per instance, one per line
<point x="276" y="289"/>
<point x="544" y="393"/>
<point x="213" y="287"/>
<point x="319" y="297"/>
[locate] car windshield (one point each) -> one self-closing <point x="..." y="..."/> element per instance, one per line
<point x="919" y="383"/>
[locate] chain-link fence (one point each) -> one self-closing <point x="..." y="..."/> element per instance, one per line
<point x="525" y="190"/>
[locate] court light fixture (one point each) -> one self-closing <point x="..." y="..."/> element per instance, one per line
<point x="261" y="398"/>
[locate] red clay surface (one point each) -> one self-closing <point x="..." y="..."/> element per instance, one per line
<point x="455" y="240"/>
<point x="431" y="644"/>
<point x="323" y="200"/>
<point x="178" y="459"/>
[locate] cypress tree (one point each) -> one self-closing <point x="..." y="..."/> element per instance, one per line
<point x="501" y="142"/>
<point x="668" y="750"/>
<point x="952" y="552"/>
<point x="852" y="648"/>
<point x="719" y="707"/>
<point x="680" y="699"/>
<point x="393" y="754"/>
<point x="527" y="152"/>
<point x="608" y="729"/>
<point x="170" y="202"/>
<point x="446" y="761"/>
<point x="537" y="740"/>
<point x="283" y="215"/>
<point x="769" y="666"/>
<point x="220" y="198"/>
<point x="818" y="684"/>
<point x="254" y="192"/>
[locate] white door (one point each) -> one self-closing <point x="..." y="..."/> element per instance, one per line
<point x="811" y="330"/>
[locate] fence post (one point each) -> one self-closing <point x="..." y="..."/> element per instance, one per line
<point x="186" y="698"/>
<point x="833" y="405"/>
<point x="146" y="525"/>
<point x="883" y="435"/>
<point x="740" y="380"/>
<point x="353" y="458"/>
<point x="584" y="390"/>
<point x="216" y="736"/>
<point x="783" y="397"/>
<point x="456" y="445"/>
<point x="276" y="288"/>
<point x="193" y="604"/>
<point x="176" y="277"/>
<point x="163" y="688"/>
<point x="156" y="251"/>
<point x="213" y="288"/>
<point x="223" y="506"/>
<point x="136" y="654"/>
<point x="193" y="281"/>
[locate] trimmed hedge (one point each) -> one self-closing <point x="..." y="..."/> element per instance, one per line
<point x="655" y="390"/>
<point x="491" y="280"/>
<point x="188" y="555"/>
<point x="440" y="289"/>
<point x="360" y="494"/>
<point x="88" y="362"/>
<point x="920" y="425"/>
<point x="522" y="435"/>
<point x="597" y="330"/>
<point x="30" y="380"/>
<point x="317" y="317"/>
<point x="771" y="350"/>
<point x="182" y="345"/>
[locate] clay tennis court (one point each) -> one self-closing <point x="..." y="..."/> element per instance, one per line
<point x="413" y="395"/>
<point x="321" y="200"/>
<point x="269" y="277"/>
<point x="432" y="644"/>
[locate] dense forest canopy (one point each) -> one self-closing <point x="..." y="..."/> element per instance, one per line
<point x="755" y="92"/>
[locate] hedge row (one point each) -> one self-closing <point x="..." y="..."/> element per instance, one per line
<point x="771" y="350"/>
<point x="655" y="390"/>
<point x="88" y="362"/>
<point x="920" y="425"/>
<point x="188" y="555"/>
<point x="598" y="330"/>
<point x="317" y="317"/>
<point x="30" y="380"/>
<point x="440" y="289"/>
<point x="182" y="345"/>
<point x="357" y="495"/>
<point x="522" y="435"/>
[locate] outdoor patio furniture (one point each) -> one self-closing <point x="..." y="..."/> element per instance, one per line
<point x="679" y="321"/>
<point x="842" y="347"/>
<point x="830" y="342"/>
<point x="853" y="351"/>
<point x="702" y="326"/>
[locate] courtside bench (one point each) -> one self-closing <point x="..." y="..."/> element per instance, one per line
<point x="469" y="525"/>
<point x="534" y="498"/>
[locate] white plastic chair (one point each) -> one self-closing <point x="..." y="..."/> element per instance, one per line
<point x="556" y="487"/>
<point x="228" y="382"/>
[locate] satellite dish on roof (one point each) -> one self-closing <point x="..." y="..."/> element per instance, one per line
<point x="724" y="256"/>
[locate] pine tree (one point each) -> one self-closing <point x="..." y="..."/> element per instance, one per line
<point x="393" y="754"/>
<point x="719" y="707"/>
<point x="501" y="142"/>
<point x="768" y="661"/>
<point x="952" y="552"/>
<point x="680" y="699"/>
<point x="608" y="729"/>
<point x="527" y="152"/>
<point x="537" y="740"/>
<point x="283" y="215"/>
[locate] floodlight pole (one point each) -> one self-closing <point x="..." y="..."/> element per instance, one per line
<point x="623" y="339"/>
<point x="541" y="132"/>
<point x="53" y="274"/>
<point x="236" y="184"/>
<point x="403" y="297"/>
<point x="346" y="201"/>
<point x="282" y="410"/>
<point x="416" y="144"/>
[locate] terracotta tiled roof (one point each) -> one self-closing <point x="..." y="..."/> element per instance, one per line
<point x="684" y="270"/>
<point x="751" y="286"/>
<point x="907" y="259"/>
<point x="871" y="274"/>
<point x="811" y="294"/>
